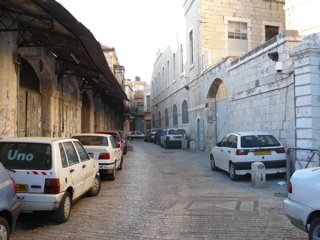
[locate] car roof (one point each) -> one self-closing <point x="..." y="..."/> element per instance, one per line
<point x="250" y="133"/>
<point x="92" y="134"/>
<point x="106" y="132"/>
<point x="34" y="139"/>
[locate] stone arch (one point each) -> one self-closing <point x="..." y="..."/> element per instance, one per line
<point x="30" y="102"/>
<point x="175" y="115"/>
<point x="70" y="106"/>
<point x="185" y="112"/>
<point x="159" y="119"/>
<point x="85" y="113"/>
<point x="217" y="112"/>
<point x="166" y="117"/>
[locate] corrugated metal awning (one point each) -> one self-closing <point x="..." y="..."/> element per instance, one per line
<point x="53" y="27"/>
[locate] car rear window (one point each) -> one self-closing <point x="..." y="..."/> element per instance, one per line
<point x="176" y="131"/>
<point x="29" y="156"/>
<point x="259" y="141"/>
<point x="92" y="140"/>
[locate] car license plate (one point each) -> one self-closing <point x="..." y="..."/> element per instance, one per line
<point x="177" y="137"/>
<point x="91" y="155"/>
<point x="262" y="153"/>
<point x="22" y="187"/>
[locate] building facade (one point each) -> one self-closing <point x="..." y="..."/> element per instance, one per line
<point x="55" y="79"/>
<point x="192" y="82"/>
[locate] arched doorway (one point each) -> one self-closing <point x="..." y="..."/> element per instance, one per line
<point x="85" y="113"/>
<point x="29" y="113"/>
<point x="217" y="111"/>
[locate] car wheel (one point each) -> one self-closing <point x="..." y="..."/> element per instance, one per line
<point x="155" y="142"/>
<point x="121" y="162"/>
<point x="232" y="172"/>
<point x="62" y="213"/>
<point x="112" y="175"/>
<point x="314" y="230"/>
<point x="4" y="229"/>
<point x="165" y="145"/>
<point x="125" y="151"/>
<point x="96" y="186"/>
<point x="213" y="163"/>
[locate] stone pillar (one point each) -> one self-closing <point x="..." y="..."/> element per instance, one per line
<point x="258" y="175"/>
<point x="306" y="59"/>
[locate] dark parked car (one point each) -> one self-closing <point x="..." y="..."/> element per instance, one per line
<point x="157" y="135"/>
<point x="146" y="135"/>
<point x="150" y="135"/>
<point x="9" y="206"/>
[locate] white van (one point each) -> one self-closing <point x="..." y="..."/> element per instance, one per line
<point x="50" y="173"/>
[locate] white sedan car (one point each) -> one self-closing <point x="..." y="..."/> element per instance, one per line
<point x="237" y="151"/>
<point x="302" y="206"/>
<point x="104" y="148"/>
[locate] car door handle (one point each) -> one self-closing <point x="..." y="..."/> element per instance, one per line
<point x="83" y="166"/>
<point x="71" y="170"/>
<point x="229" y="151"/>
<point x="221" y="150"/>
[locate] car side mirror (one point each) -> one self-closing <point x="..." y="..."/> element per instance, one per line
<point x="118" y="145"/>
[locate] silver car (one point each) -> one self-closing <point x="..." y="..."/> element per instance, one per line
<point x="9" y="206"/>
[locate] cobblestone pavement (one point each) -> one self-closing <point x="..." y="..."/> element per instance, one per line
<point x="170" y="194"/>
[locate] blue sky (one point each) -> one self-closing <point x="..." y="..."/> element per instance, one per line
<point x="137" y="29"/>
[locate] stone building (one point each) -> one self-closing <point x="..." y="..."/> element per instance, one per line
<point x="140" y="104"/>
<point x="55" y="79"/>
<point x="210" y="33"/>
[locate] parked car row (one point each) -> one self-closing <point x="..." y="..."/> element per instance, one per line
<point x="49" y="174"/>
<point x="166" y="137"/>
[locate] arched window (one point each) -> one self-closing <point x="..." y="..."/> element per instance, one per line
<point x="166" y="117"/>
<point x="159" y="119"/>
<point x="185" y="117"/>
<point x="175" y="115"/>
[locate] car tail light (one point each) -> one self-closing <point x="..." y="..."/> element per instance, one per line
<point x="280" y="150"/>
<point x="290" y="187"/>
<point x="242" y="152"/>
<point x="104" y="156"/>
<point x="52" y="185"/>
<point x="14" y="186"/>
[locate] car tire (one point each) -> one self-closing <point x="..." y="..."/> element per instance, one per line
<point x="112" y="176"/>
<point x="213" y="163"/>
<point x="155" y="142"/>
<point x="125" y="151"/>
<point x="232" y="172"/>
<point x="62" y="213"/>
<point x="120" y="166"/>
<point x="96" y="186"/>
<point x="165" y="145"/>
<point x="4" y="229"/>
<point x="314" y="230"/>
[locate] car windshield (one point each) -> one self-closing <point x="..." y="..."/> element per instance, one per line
<point x="92" y="140"/>
<point x="176" y="131"/>
<point x="259" y="141"/>
<point x="30" y="156"/>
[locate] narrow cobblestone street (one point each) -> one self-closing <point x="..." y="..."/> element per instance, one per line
<point x="170" y="194"/>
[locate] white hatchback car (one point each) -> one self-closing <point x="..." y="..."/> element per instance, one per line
<point x="302" y="206"/>
<point x="172" y="137"/>
<point x="50" y="173"/>
<point x="105" y="149"/>
<point x="237" y="151"/>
